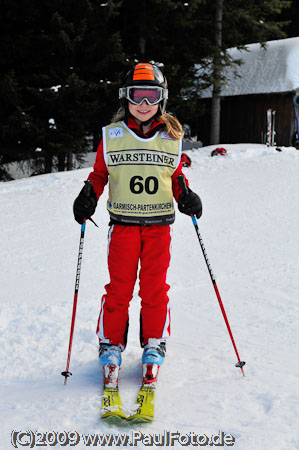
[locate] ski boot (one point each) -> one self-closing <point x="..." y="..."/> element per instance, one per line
<point x="154" y="352"/>
<point x="110" y="354"/>
<point x="110" y="359"/>
<point x="152" y="358"/>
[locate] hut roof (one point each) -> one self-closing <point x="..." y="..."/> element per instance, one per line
<point x="273" y="69"/>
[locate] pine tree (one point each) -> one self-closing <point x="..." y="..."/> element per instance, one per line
<point x="290" y="16"/>
<point x="101" y="62"/>
<point x="55" y="55"/>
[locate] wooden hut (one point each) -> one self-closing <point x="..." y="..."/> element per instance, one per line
<point x="268" y="78"/>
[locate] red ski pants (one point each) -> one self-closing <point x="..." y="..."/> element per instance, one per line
<point x="127" y="246"/>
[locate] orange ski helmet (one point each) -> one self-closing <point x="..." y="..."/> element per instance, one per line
<point x="144" y="81"/>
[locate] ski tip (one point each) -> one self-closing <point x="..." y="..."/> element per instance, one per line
<point x="140" y="418"/>
<point x="114" y="419"/>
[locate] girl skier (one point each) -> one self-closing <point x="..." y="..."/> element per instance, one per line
<point x="140" y="157"/>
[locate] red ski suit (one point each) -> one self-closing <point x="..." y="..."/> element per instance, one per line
<point x="128" y="246"/>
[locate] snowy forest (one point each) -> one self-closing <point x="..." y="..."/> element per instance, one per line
<point x="63" y="62"/>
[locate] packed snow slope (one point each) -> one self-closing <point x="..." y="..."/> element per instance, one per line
<point x="250" y="228"/>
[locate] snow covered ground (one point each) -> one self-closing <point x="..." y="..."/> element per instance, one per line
<point x="250" y="228"/>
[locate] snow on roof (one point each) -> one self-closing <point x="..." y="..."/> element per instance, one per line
<point x="273" y="69"/>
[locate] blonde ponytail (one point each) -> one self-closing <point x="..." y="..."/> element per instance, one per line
<point x="174" y="128"/>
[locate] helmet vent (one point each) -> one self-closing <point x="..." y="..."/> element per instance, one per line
<point x="144" y="72"/>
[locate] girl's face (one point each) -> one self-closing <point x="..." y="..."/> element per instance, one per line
<point x="143" y="112"/>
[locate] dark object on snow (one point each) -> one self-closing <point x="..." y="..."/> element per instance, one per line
<point x="219" y="151"/>
<point x="186" y="160"/>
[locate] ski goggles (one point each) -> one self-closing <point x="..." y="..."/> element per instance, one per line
<point x="138" y="94"/>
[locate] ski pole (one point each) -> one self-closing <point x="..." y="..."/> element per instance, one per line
<point x="66" y="373"/>
<point x="240" y="363"/>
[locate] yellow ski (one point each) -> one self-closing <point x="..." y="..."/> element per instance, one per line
<point x="111" y="405"/>
<point x="146" y="396"/>
<point x="145" y="401"/>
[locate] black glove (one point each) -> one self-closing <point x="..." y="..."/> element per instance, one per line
<point x="85" y="204"/>
<point x="189" y="203"/>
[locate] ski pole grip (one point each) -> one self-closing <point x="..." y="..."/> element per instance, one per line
<point x="182" y="184"/>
